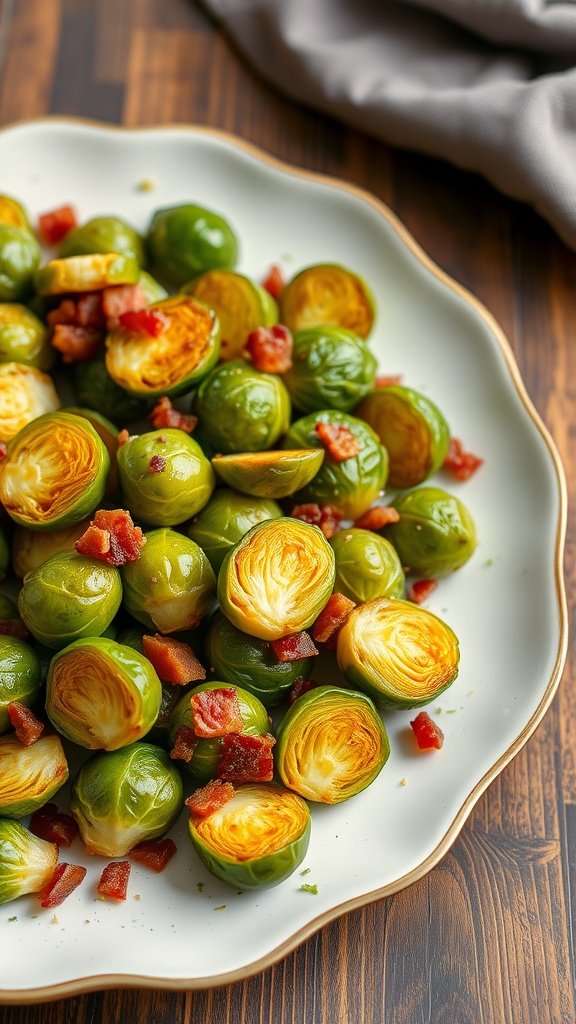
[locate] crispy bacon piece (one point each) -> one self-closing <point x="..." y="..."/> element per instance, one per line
<point x="300" y="686"/>
<point x="14" y="627"/>
<point x="89" y="310"/>
<point x="216" y="712"/>
<point x="28" y="728"/>
<point x="428" y="734"/>
<point x="65" y="879"/>
<point x="112" y="538"/>
<point x="246" y="758"/>
<point x="144" y="321"/>
<point x="338" y="440"/>
<point x="326" y="517"/>
<point x="210" y="798"/>
<point x="54" y="826"/>
<point x="77" y="344"/>
<point x="54" y="225"/>
<point x="420" y="590"/>
<point x="332" y="617"/>
<point x="155" y="854"/>
<point x="274" y="282"/>
<point x="377" y="517"/>
<point x="65" y="313"/>
<point x="387" y="381"/>
<point x="460" y="463"/>
<point x="113" y="884"/>
<point x="270" y="348"/>
<point x="294" y="646"/>
<point x="157" y="464"/>
<point x="174" y="661"/>
<point x="165" y="415"/>
<point x="184" y="743"/>
<point x="122" y="298"/>
<point x="123" y="437"/>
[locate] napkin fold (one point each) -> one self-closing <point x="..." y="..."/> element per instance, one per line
<point x="489" y="85"/>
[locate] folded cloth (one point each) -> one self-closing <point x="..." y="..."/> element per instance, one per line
<point x="488" y="84"/>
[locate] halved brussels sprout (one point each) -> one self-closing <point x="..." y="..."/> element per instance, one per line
<point x="12" y="212"/>
<point x="225" y="520"/>
<point x="251" y="663"/>
<point x="24" y="338"/>
<point x="165" y="477"/>
<point x="332" y="368"/>
<point x="69" y="597"/>
<point x="401" y="655"/>
<point x="19" y="258"/>
<point x="54" y="472"/>
<point x="86" y="273"/>
<point x="121" y="797"/>
<point x="108" y="434"/>
<point x="327" y="293"/>
<point x="30" y="776"/>
<point x="95" y="389"/>
<point x="257" y="839"/>
<point x="269" y="474"/>
<point x="172" y="362"/>
<point x="331" y="744"/>
<point x="277" y="579"/>
<point x="240" y="304"/>
<point x="435" y="534"/>
<point x="27" y="863"/>
<point x="412" y="430"/>
<point x="352" y="485"/>
<point x="185" y="240"/>
<point x="103" y="235"/>
<point x="171" y="586"/>
<point x="25" y="394"/>
<point x="241" y="409"/>
<point x="101" y="694"/>
<point x="367" y="566"/>
<point x="20" y="676"/>
<point x="31" y="548"/>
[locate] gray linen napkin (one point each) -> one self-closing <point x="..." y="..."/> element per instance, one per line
<point x="488" y="84"/>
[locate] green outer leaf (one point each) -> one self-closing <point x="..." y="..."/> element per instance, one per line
<point x="171" y="496"/>
<point x="226" y="519"/>
<point x="24" y="338"/>
<point x="20" y="676"/>
<point x="435" y="534"/>
<point x="367" y="566"/>
<point x="103" y="234"/>
<point x="185" y="240"/>
<point x="241" y="409"/>
<point x="26" y="862"/>
<point x="332" y="368"/>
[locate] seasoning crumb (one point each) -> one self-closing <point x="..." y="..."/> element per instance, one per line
<point x="470" y="692"/>
<point x="438" y="711"/>
<point x="418" y="526"/>
<point x="305" y="887"/>
<point x="200" y="886"/>
<point x="451" y="711"/>
<point x="221" y="907"/>
<point x="137" y="896"/>
<point x="489" y="561"/>
<point x="146" y="185"/>
<point x="86" y="920"/>
<point x="12" y="919"/>
<point x="55" y="919"/>
<point x="402" y="782"/>
<point x="306" y="871"/>
<point x="154" y="579"/>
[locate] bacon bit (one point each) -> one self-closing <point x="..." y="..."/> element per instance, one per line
<point x="332" y="617"/>
<point x="326" y="517"/>
<point x="273" y="283"/>
<point x="165" y="415"/>
<point x="123" y="437"/>
<point x="28" y="727"/>
<point x="216" y="712"/>
<point x="384" y="381"/>
<point x="89" y="311"/>
<point x="184" y="744"/>
<point x="421" y="590"/>
<point x="144" y="321"/>
<point x="246" y="758"/>
<point x="112" y="537"/>
<point x="155" y="854"/>
<point x="55" y="827"/>
<point x="77" y="344"/>
<point x="174" y="661"/>
<point x="377" y="517"/>
<point x="210" y="798"/>
<point x="460" y="463"/>
<point x="55" y="225"/>
<point x="299" y="687"/>
<point x="14" y="627"/>
<point x="338" y="440"/>
<point x="65" y="313"/>
<point x="157" y="464"/>
<point x="122" y="298"/>
<point x="3" y="450"/>
<point x="294" y="646"/>
<point x="65" y="879"/>
<point x="113" y="884"/>
<point x="427" y="733"/>
<point x="270" y="348"/>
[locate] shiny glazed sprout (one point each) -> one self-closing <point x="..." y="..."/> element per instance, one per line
<point x="24" y="338"/>
<point x="20" y="676"/>
<point x="103" y="235"/>
<point x="332" y="368"/>
<point x="269" y="474"/>
<point x="25" y="394"/>
<point x="95" y="389"/>
<point x="226" y="519"/>
<point x="30" y="776"/>
<point x="241" y="409"/>
<point x="164" y="476"/>
<point x="27" y="863"/>
<point x="185" y="240"/>
<point x="367" y="566"/>
<point x="435" y="534"/>
<point x="19" y="259"/>
<point x="328" y="294"/>
<point x="240" y="304"/>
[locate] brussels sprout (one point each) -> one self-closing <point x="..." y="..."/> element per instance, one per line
<point x="412" y="430"/>
<point x="101" y="694"/>
<point x="69" y="597"/>
<point x="241" y="409"/>
<point x="401" y="655"/>
<point x="240" y="304"/>
<point x="225" y="520"/>
<point x="328" y="294"/>
<point x="172" y="362"/>
<point x="13" y="213"/>
<point x="19" y="258"/>
<point x="30" y="776"/>
<point x="435" y="534"/>
<point x="108" y="434"/>
<point x="203" y="764"/>
<point x="351" y="485"/>
<point x="152" y="288"/>
<point x="25" y="394"/>
<point x="8" y="608"/>
<point x="171" y="586"/>
<point x="86" y="273"/>
<point x="165" y="477"/>
<point x="27" y="863"/>
<point x="20" y="676"/>
<point x="103" y="235"/>
<point x="121" y="797"/>
<point x="331" y="744"/>
<point x="277" y="579"/>
<point x="186" y="240"/>
<point x="31" y="548"/>
<point x="23" y="337"/>
<point x="270" y="474"/>
<point x="95" y="389"/>
<point x="332" y="368"/>
<point x="54" y="472"/>
<point x="257" y="839"/>
<point x="367" y="566"/>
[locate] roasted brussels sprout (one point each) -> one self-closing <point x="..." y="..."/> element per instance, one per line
<point x="327" y="293"/>
<point x="8" y="608"/>
<point x="23" y="337"/>
<point x="401" y="655"/>
<point x="367" y="566"/>
<point x="101" y="694"/>
<point x="225" y="520"/>
<point x="27" y="863"/>
<point x="69" y="597"/>
<point x="350" y="485"/>
<point x="435" y="534"/>
<point x="257" y="839"/>
<point x="12" y="212"/>
<point x="108" y="434"/>
<point x="241" y="409"/>
<point x="95" y="389"/>
<point x="332" y="368"/>
<point x="171" y="586"/>
<point x="412" y="430"/>
<point x="25" y="394"/>
<point x="152" y="288"/>
<point x="19" y="259"/>
<point x="269" y="474"/>
<point x="165" y="477"/>
<point x="86" y="273"/>
<point x="240" y="304"/>
<point x="277" y="579"/>
<point x="185" y="240"/>
<point x="54" y="472"/>
<point x="29" y="776"/>
<point x="20" y="676"/>
<point x="331" y="744"/>
<point x="103" y="235"/>
<point x="30" y="548"/>
<point x="121" y="797"/>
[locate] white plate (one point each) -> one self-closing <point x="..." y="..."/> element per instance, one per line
<point x="507" y="605"/>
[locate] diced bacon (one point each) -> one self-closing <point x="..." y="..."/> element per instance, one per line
<point x="157" y="464"/>
<point x="210" y="798"/>
<point x="377" y="517"/>
<point x="89" y="312"/>
<point x="216" y="712"/>
<point x="184" y="744"/>
<point x="274" y="282"/>
<point x="460" y="463"/>
<point x="53" y="825"/>
<point x="174" y="661"/>
<point x="326" y="517"/>
<point x="420" y="590"/>
<point x="28" y="728"/>
<point x="165" y="415"/>
<point x="332" y="617"/>
<point x="113" y="884"/>
<point x="14" y="627"/>
<point x="155" y="854"/>
<point x="112" y="538"/>
<point x="77" y="344"/>
<point x="120" y="299"/>
<point x="94" y="543"/>
<point x="387" y="381"/>
<point x="428" y="734"/>
<point x="294" y="646"/>
<point x="66" y="878"/>
<point x="246" y="758"/>
<point x="270" y="348"/>
<point x="54" y="225"/>
<point x="339" y="441"/>
<point x="144" y="321"/>
<point x="123" y="437"/>
<point x="299" y="687"/>
<point x="65" y="313"/>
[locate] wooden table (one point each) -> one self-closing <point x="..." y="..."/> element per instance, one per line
<point x="488" y="936"/>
